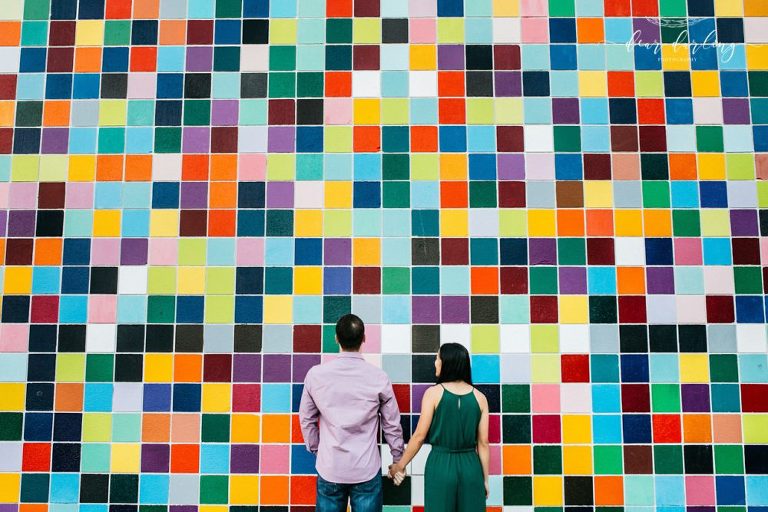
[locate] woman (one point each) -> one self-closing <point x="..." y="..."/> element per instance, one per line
<point x="454" y="417"/>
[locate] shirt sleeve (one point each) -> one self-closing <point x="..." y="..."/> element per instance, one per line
<point x="390" y="421"/>
<point x="308" y="416"/>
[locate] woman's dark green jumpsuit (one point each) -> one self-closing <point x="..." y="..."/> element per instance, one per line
<point x="453" y="477"/>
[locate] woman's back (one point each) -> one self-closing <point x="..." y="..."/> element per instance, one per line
<point x="454" y="425"/>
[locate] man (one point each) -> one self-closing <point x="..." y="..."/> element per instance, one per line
<point x="342" y="405"/>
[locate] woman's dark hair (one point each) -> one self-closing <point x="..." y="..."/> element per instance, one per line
<point x="350" y="331"/>
<point x="455" y="364"/>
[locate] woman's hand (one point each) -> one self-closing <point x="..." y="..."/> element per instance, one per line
<point x="397" y="473"/>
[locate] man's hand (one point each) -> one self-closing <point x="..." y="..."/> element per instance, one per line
<point x="397" y="473"/>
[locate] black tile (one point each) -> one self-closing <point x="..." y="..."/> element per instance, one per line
<point x="693" y="338"/>
<point x="756" y="459"/>
<point x="130" y="338"/>
<point x="104" y="280"/>
<point x="128" y="367"/>
<point x="479" y="83"/>
<point x="698" y="459"/>
<point x="114" y="85"/>
<point x="309" y="111"/>
<point x="40" y="396"/>
<point x="49" y="223"/>
<point x="425" y="339"/>
<point x="255" y="31"/>
<point x="123" y="488"/>
<point x="663" y="338"/>
<point x="578" y="490"/>
<point x="42" y="338"/>
<point x="248" y="338"/>
<point x="94" y="488"/>
<point x="253" y="85"/>
<point x="159" y="338"/>
<point x="485" y="310"/>
<point x="479" y="57"/>
<point x="633" y="338"/>
<point x="189" y="338"/>
<point x="67" y="426"/>
<point x="15" y="309"/>
<point x="41" y="368"/>
<point x="423" y="368"/>
<point x="425" y="251"/>
<point x="197" y="85"/>
<point x="394" y="30"/>
<point x="65" y="457"/>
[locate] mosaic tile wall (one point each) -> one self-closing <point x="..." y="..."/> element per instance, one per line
<point x="192" y="191"/>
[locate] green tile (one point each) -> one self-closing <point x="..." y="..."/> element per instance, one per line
<point x="562" y="8"/>
<point x="396" y="194"/>
<point x="395" y="167"/>
<point x="117" y="33"/>
<point x="338" y="30"/>
<point x="395" y="280"/>
<point x="571" y="251"/>
<point x="543" y="280"/>
<point x="518" y="490"/>
<point x="686" y="223"/>
<point x="214" y="489"/>
<point x="228" y="8"/>
<point x="668" y="459"/>
<point x="282" y="85"/>
<point x="10" y="426"/>
<point x="723" y="368"/>
<point x="282" y="58"/>
<point x="37" y="9"/>
<point x="161" y="309"/>
<point x="197" y="112"/>
<point x="729" y="459"/>
<point x="709" y="139"/>
<point x="309" y="85"/>
<point x="482" y="194"/>
<point x="748" y="280"/>
<point x="516" y="398"/>
<point x="167" y="140"/>
<point x="608" y="460"/>
<point x="516" y="428"/>
<point x="665" y="397"/>
<point x="99" y="367"/>
<point x="672" y="8"/>
<point x="215" y="428"/>
<point x="329" y="340"/>
<point x="226" y="58"/>
<point x="336" y="307"/>
<point x="567" y="139"/>
<point x="547" y="460"/>
<point x="656" y="194"/>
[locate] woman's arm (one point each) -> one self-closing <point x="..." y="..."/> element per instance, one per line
<point x="428" y="403"/>
<point x="482" y="438"/>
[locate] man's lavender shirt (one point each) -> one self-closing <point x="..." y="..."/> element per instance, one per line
<point x="347" y="396"/>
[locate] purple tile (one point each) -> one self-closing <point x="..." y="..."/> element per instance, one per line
<point x="646" y="31"/>
<point x="455" y="310"/>
<point x="735" y="111"/>
<point x="244" y="458"/>
<point x="3" y="222"/>
<point x="302" y="363"/>
<point x="21" y="223"/>
<point x="155" y="458"/>
<point x="511" y="166"/>
<point x="133" y="251"/>
<point x="450" y="56"/>
<point x="542" y="251"/>
<point x="744" y="223"/>
<point x="277" y="368"/>
<point x="508" y="83"/>
<point x="197" y="140"/>
<point x="55" y="141"/>
<point x="225" y="112"/>
<point x="194" y="194"/>
<point x="417" y="394"/>
<point x="661" y="280"/>
<point x="281" y="139"/>
<point x="573" y="280"/>
<point x="199" y="58"/>
<point x="425" y="310"/>
<point x="565" y="110"/>
<point x="280" y="194"/>
<point x="246" y="368"/>
<point x="695" y="397"/>
<point x="337" y="280"/>
<point x="183" y="508"/>
<point x="337" y="251"/>
<point x="8" y="507"/>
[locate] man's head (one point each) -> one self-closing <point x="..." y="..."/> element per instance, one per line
<point x="350" y="332"/>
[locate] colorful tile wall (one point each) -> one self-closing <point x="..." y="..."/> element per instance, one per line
<point x="192" y="191"/>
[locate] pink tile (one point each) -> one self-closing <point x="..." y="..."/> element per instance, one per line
<point x="79" y="195"/>
<point x="534" y="8"/>
<point x="372" y="343"/>
<point x="534" y="30"/>
<point x="163" y="251"/>
<point x="274" y="459"/>
<point x="699" y="490"/>
<point x="494" y="467"/>
<point x="250" y="251"/>
<point x="252" y="167"/>
<point x="626" y="166"/>
<point x="105" y="251"/>
<point x="14" y="338"/>
<point x="545" y="398"/>
<point x="423" y="30"/>
<point x="688" y="251"/>
<point x="22" y="195"/>
<point x="4" y="192"/>
<point x="102" y="309"/>
<point x="540" y="166"/>
<point x="142" y="85"/>
<point x="764" y="249"/>
<point x="422" y="8"/>
<point x="338" y="110"/>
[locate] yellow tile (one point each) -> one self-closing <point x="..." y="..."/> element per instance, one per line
<point x="694" y="368"/>
<point x="577" y="429"/>
<point x="454" y="222"/>
<point x="628" y="222"/>
<point x="541" y="223"/>
<point x="729" y="8"/>
<point x="598" y="194"/>
<point x="191" y="280"/>
<point x="705" y="83"/>
<point x="244" y="489"/>
<point x="423" y="57"/>
<point x="82" y="168"/>
<point x="711" y="166"/>
<point x="547" y="491"/>
<point x="307" y="280"/>
<point x="513" y="222"/>
<point x="506" y="8"/>
<point x="10" y="486"/>
<point x="217" y="397"/>
<point x="18" y="280"/>
<point x="755" y="428"/>
<point x="278" y="309"/>
<point x="574" y="309"/>
<point x="126" y="458"/>
<point x="366" y="251"/>
<point x="282" y="31"/>
<point x="106" y="223"/>
<point x="577" y="460"/>
<point x="12" y="396"/>
<point x="509" y="110"/>
<point x="89" y="33"/>
<point x="338" y="194"/>
<point x="158" y="367"/>
<point x="453" y="167"/>
<point x="545" y="368"/>
<point x="308" y="223"/>
<point x="593" y="83"/>
<point x="757" y="56"/>
<point x="163" y="223"/>
<point x="715" y="222"/>
<point x="675" y="57"/>
<point x="246" y="428"/>
<point x="367" y="111"/>
<point x="366" y="30"/>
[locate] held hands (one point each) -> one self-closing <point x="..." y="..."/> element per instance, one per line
<point x="397" y="473"/>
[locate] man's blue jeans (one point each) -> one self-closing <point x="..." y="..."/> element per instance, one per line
<point x="364" y="497"/>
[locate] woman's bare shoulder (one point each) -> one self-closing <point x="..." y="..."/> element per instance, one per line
<point x="481" y="399"/>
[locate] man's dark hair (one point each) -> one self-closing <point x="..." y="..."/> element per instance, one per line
<point x="456" y="364"/>
<point x="350" y="332"/>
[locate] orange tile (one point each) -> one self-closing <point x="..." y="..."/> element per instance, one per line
<point x="452" y="111"/>
<point x="69" y="397"/>
<point x="590" y="30"/>
<point x="296" y="435"/>
<point x="609" y="490"/>
<point x="631" y="280"/>
<point x="338" y="8"/>
<point x="221" y="223"/>
<point x="682" y="166"/>
<point x="88" y="60"/>
<point x="143" y="58"/>
<point x="366" y="139"/>
<point x="755" y="8"/>
<point x="621" y="83"/>
<point x="156" y="428"/>
<point x="274" y="490"/>
<point x="173" y="32"/>
<point x="454" y="194"/>
<point x="185" y="458"/>
<point x="56" y="113"/>
<point x="276" y="428"/>
<point x="516" y="459"/>
<point x="450" y="83"/>
<point x="599" y="222"/>
<point x="146" y="9"/>
<point x="657" y="223"/>
<point x="194" y="167"/>
<point x="697" y="428"/>
<point x="485" y="280"/>
<point x="109" y="168"/>
<point x="7" y="113"/>
<point x="223" y="194"/>
<point x="49" y="251"/>
<point x="303" y="490"/>
<point x="118" y="9"/>
<point x="10" y="33"/>
<point x="570" y="222"/>
<point x="650" y="111"/>
<point x="188" y="368"/>
<point x="338" y="83"/>
<point x="138" y="167"/>
<point x="223" y="167"/>
<point x="424" y="139"/>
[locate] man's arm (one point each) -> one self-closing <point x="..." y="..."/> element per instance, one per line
<point x="308" y="416"/>
<point x="390" y="421"/>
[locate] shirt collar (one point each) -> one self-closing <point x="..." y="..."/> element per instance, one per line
<point x="353" y="355"/>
